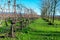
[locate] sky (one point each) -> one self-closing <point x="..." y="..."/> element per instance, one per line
<point x="33" y="4"/>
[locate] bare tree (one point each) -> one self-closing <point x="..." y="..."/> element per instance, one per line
<point x="55" y="3"/>
<point x="49" y="8"/>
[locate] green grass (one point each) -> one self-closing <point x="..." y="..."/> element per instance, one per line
<point x="56" y="21"/>
<point x="37" y="30"/>
<point x="41" y="25"/>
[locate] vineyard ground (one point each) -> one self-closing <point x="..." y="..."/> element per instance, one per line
<point x="37" y="30"/>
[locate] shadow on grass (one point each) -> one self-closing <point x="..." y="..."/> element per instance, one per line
<point x="2" y="36"/>
<point x="43" y="33"/>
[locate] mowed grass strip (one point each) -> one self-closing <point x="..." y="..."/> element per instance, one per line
<point x="41" y="25"/>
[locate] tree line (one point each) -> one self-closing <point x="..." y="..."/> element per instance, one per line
<point x="49" y="9"/>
